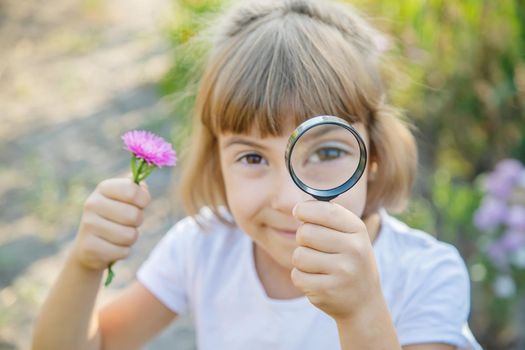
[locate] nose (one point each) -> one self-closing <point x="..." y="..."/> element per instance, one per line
<point x="286" y="193"/>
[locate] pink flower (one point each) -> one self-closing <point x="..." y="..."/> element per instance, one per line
<point x="148" y="151"/>
<point x="150" y="147"/>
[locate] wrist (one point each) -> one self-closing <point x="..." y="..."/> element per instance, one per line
<point x="369" y="327"/>
<point x="365" y="312"/>
<point x="75" y="262"/>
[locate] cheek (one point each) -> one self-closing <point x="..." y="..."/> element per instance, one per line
<point x="245" y="198"/>
<point x="355" y="198"/>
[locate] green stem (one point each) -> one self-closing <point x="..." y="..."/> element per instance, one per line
<point x="134" y="164"/>
<point x="147" y="172"/>
<point x="110" y="276"/>
<point x="137" y="177"/>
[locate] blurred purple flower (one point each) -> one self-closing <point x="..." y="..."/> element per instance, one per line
<point x="497" y="253"/>
<point x="515" y="218"/>
<point x="512" y="241"/>
<point x="150" y="147"/>
<point x="490" y="214"/>
<point x="502" y="215"/>
<point x="501" y="181"/>
<point x="504" y="286"/>
<point x="511" y="168"/>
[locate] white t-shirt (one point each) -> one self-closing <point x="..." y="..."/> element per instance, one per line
<point x="211" y="273"/>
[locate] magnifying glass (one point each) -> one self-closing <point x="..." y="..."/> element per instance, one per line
<point x="325" y="157"/>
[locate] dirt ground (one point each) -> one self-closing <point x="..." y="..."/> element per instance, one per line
<point x="74" y="76"/>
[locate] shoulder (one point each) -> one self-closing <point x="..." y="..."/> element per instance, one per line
<point x="426" y="284"/>
<point x="418" y="269"/>
<point x="201" y="235"/>
<point x="416" y="248"/>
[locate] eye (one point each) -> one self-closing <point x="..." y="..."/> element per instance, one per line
<point x="327" y="154"/>
<point x="251" y="159"/>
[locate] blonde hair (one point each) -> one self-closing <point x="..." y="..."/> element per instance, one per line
<point x="278" y="62"/>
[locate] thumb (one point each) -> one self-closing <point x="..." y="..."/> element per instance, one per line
<point x="144" y="185"/>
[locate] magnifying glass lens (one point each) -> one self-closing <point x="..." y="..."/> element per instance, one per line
<point x="325" y="156"/>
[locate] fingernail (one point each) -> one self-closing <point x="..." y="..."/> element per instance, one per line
<point x="293" y="210"/>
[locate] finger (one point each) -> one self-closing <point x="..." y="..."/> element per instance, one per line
<point x="119" y="212"/>
<point x="321" y="238"/>
<point x="125" y="190"/>
<point x="108" y="251"/>
<point x="327" y="214"/>
<point x="112" y="232"/>
<point x="310" y="281"/>
<point x="145" y="187"/>
<point x="142" y="183"/>
<point x="312" y="261"/>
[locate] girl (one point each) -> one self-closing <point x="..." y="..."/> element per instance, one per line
<point x="259" y="263"/>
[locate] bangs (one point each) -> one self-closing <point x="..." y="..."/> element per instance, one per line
<point x="282" y="71"/>
<point x="276" y="63"/>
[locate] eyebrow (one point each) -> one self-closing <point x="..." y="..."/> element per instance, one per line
<point x="321" y="131"/>
<point x="241" y="141"/>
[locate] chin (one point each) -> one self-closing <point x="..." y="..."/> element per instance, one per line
<point x="285" y="257"/>
<point x="285" y="263"/>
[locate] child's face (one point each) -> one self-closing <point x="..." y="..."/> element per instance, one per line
<point x="261" y="193"/>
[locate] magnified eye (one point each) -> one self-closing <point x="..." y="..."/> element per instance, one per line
<point x="327" y="154"/>
<point x="251" y="159"/>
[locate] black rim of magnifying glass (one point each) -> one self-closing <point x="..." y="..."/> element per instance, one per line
<point x="325" y="195"/>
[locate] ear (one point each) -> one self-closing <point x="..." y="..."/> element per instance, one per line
<point x="372" y="171"/>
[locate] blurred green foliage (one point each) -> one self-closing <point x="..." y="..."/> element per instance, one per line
<point x="189" y="51"/>
<point x="458" y="70"/>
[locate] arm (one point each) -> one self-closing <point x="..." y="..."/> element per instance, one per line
<point x="433" y="346"/>
<point x="57" y="326"/>
<point x="122" y="322"/>
<point x="108" y="228"/>
<point x="370" y="328"/>
<point x="335" y="267"/>
<point x="374" y="330"/>
<point x="118" y="325"/>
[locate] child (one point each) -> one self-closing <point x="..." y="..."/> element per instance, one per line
<point x="259" y="263"/>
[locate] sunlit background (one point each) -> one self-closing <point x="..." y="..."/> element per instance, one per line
<point x="75" y="75"/>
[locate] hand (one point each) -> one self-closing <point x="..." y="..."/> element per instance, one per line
<point x="334" y="264"/>
<point x="110" y="221"/>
